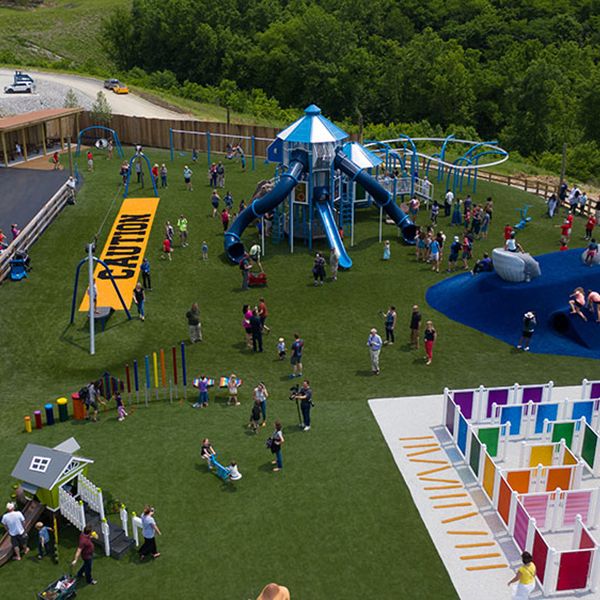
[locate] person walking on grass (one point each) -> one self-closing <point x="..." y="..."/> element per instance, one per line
<point x="305" y="397"/>
<point x="524" y="578"/>
<point x="163" y="175"/>
<point x="139" y="298"/>
<point x="334" y="263"/>
<point x="194" y="325"/>
<point x="85" y="551"/>
<point x="44" y="539"/>
<point x="149" y="531"/>
<point x="90" y="161"/>
<point x="430" y="337"/>
<point x="145" y="269"/>
<point x="13" y="521"/>
<point x="415" y="325"/>
<point x="182" y="225"/>
<point x="296" y="358"/>
<point x="527" y="331"/>
<point x="204" y="250"/>
<point x="318" y="269"/>
<point x="263" y="313"/>
<point x="390" y="324"/>
<point x="166" y="248"/>
<point x="245" y="268"/>
<point x="277" y="441"/>
<point x="225" y="219"/>
<point x="374" y="343"/>
<point x="214" y="200"/>
<point x="260" y="394"/>
<point x="187" y="178"/>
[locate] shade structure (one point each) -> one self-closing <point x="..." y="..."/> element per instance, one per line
<point x="360" y="156"/>
<point x="312" y="128"/>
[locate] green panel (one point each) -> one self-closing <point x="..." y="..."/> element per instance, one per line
<point x="475" y="452"/>
<point x="490" y="436"/>
<point x="590" y="441"/>
<point x="563" y="431"/>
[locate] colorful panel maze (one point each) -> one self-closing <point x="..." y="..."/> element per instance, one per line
<point x="537" y="459"/>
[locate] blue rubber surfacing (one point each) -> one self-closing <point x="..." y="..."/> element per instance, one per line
<point x="496" y="307"/>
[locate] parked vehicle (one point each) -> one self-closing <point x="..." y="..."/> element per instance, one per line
<point x="20" y="76"/>
<point x="110" y="84"/>
<point x="121" y="89"/>
<point x="20" y="87"/>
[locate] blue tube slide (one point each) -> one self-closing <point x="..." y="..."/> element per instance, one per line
<point x="381" y="196"/>
<point x="325" y="211"/>
<point x="261" y="206"/>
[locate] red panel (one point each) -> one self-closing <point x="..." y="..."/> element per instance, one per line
<point x="504" y="500"/>
<point x="540" y="553"/>
<point x="573" y="570"/>
<point x="586" y="541"/>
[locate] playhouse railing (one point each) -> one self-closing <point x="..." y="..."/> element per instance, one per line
<point x="71" y="509"/>
<point x="91" y="494"/>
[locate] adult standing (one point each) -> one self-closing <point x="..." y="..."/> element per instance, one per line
<point x="448" y="199"/>
<point x="430" y="337"/>
<point x="305" y="397"/>
<point x="13" y="520"/>
<point x="225" y="219"/>
<point x="149" y="531"/>
<point x="334" y="263"/>
<point x="390" y="324"/>
<point x="187" y="178"/>
<point x="255" y="253"/>
<point x="256" y="328"/>
<point x="246" y="324"/>
<point x="277" y="442"/>
<point x="415" y="325"/>
<point x="296" y="358"/>
<point x="220" y="175"/>
<point x="145" y="268"/>
<point x="318" y="269"/>
<point x="260" y="394"/>
<point x="194" y="324"/>
<point x="140" y="298"/>
<point x="374" y="343"/>
<point x="163" y="175"/>
<point x="263" y="313"/>
<point x="245" y="268"/>
<point x="85" y="551"/>
<point x="182" y="225"/>
<point x="524" y="578"/>
<point x="214" y="200"/>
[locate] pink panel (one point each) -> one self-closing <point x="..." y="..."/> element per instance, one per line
<point x="537" y="507"/>
<point x="521" y="524"/>
<point x="578" y="503"/>
<point x="573" y="570"/>
<point x="587" y="541"/>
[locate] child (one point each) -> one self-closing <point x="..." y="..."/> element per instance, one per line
<point x="204" y="250"/>
<point x="387" y="251"/>
<point x="281" y="348"/>
<point x="234" y="473"/>
<point x="435" y="211"/>
<point x="121" y="412"/>
<point x="591" y="252"/>
<point x="90" y="160"/>
<point x="232" y="388"/>
<point x="578" y="302"/>
<point x="44" y="543"/>
<point x="206" y="451"/>
<point x="166" y="249"/>
<point x="255" y="416"/>
<point x="202" y="401"/>
<point x="163" y="176"/>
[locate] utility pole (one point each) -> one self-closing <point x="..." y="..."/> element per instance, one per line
<point x="563" y="164"/>
<point x="70" y="156"/>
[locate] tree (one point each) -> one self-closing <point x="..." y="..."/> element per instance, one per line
<point x="101" y="111"/>
<point x="71" y="100"/>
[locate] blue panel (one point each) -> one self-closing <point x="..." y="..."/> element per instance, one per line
<point x="275" y="151"/>
<point x="462" y="435"/>
<point x="545" y="411"/>
<point x="583" y="409"/>
<point x="513" y="415"/>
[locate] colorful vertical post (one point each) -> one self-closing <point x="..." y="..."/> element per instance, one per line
<point x="128" y="380"/>
<point x="174" y="353"/>
<point x="163" y="370"/>
<point x="147" y="362"/>
<point x="183" y="371"/>
<point x="136" y="380"/>
<point x="155" y="365"/>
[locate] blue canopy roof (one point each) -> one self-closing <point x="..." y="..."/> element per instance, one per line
<point x="360" y="156"/>
<point x="312" y="128"/>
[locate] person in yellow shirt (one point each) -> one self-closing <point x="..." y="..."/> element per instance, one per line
<point x="524" y="578"/>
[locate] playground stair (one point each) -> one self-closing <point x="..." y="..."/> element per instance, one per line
<point x="278" y="232"/>
<point x="120" y="544"/>
<point x="345" y="210"/>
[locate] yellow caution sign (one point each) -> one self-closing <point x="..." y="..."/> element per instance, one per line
<point x="123" y="253"/>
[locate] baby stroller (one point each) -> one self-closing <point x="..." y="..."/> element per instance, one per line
<point x="257" y="280"/>
<point x="19" y="265"/>
<point x="63" y="588"/>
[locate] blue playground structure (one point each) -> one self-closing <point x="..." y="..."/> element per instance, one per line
<point x="524" y="218"/>
<point x="317" y="178"/>
<point x="93" y="139"/>
<point x="140" y="157"/>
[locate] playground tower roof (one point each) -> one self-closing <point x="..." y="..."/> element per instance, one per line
<point x="312" y="128"/>
<point x="360" y="156"/>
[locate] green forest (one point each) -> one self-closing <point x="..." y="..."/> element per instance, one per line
<point x="526" y="72"/>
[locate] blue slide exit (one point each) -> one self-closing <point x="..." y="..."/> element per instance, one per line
<point x="332" y="232"/>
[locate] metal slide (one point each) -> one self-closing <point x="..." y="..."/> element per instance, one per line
<point x="332" y="232"/>
<point x="381" y="196"/>
<point x="261" y="206"/>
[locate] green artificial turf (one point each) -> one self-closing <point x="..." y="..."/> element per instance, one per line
<point x="338" y="521"/>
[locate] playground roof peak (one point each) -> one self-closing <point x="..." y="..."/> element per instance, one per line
<point x="312" y="128"/>
<point x="360" y="156"/>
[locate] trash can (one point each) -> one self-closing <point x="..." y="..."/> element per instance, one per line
<point x="63" y="409"/>
<point x="78" y="407"/>
<point x="38" y="419"/>
<point x="49" y="414"/>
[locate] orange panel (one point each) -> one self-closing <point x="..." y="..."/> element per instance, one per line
<point x="489" y="474"/>
<point x="569" y="458"/>
<point x="559" y="478"/>
<point x="504" y="500"/>
<point x="519" y="481"/>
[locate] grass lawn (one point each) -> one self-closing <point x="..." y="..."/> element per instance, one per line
<point x="338" y="521"/>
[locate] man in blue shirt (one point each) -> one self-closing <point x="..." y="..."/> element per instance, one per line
<point x="145" y="268"/>
<point x="296" y="358"/>
<point x="374" y="343"/>
<point x="305" y="397"/>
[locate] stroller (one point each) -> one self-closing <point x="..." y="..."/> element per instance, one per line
<point x="257" y="279"/>
<point x="19" y="265"/>
<point x="63" y="588"/>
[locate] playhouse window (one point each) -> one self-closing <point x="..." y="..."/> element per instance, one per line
<point x="39" y="464"/>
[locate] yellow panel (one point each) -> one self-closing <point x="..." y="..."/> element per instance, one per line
<point x="541" y="455"/>
<point x="489" y="474"/>
<point x="569" y="458"/>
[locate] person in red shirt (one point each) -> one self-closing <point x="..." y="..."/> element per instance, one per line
<point x="589" y="227"/>
<point x="90" y="160"/>
<point x="225" y="219"/>
<point x="155" y="172"/>
<point x="507" y="231"/>
<point x="167" y="248"/>
<point x="563" y="245"/>
<point x="56" y="161"/>
<point x="565" y="230"/>
<point x="85" y="550"/>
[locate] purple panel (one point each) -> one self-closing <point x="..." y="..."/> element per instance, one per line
<point x="521" y="524"/>
<point x="532" y="394"/>
<point x="465" y="401"/>
<point x="595" y="390"/>
<point x="499" y="397"/>
<point x="450" y="410"/>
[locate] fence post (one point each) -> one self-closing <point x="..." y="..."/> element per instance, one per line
<point x="551" y="572"/>
<point x="530" y="534"/>
<point x="124" y="523"/>
<point x="512" y="513"/>
<point x="134" y="529"/>
<point x="482" y="453"/>
<point x="106" y="536"/>
<point x="81" y="515"/>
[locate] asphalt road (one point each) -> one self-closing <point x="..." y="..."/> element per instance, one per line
<point x="51" y="90"/>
